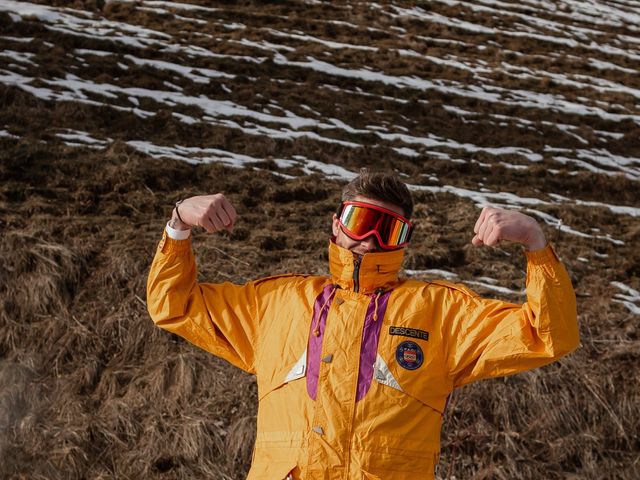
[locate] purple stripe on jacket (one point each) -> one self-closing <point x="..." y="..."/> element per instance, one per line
<point x="368" y="349"/>
<point x="318" y="322"/>
<point x="370" y="337"/>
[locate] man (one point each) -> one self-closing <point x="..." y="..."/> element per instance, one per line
<point x="354" y="370"/>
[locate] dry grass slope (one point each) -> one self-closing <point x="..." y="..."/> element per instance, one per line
<point x="93" y="390"/>
<point x="89" y="388"/>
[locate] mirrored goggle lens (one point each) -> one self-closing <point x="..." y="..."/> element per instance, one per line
<point x="362" y="221"/>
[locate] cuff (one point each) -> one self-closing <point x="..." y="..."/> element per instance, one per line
<point x="169" y="245"/>
<point x="177" y="234"/>
<point x="543" y="256"/>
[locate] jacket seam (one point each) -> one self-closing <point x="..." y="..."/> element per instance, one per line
<point x="257" y="332"/>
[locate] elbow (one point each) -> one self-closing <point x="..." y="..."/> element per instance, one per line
<point x="159" y="306"/>
<point x="567" y="339"/>
<point x="165" y="310"/>
<point x="153" y="304"/>
<point x="165" y="302"/>
<point x="566" y="347"/>
<point x="158" y="315"/>
<point x="573" y="328"/>
<point x="574" y="342"/>
<point x="168" y="308"/>
<point x="565" y="332"/>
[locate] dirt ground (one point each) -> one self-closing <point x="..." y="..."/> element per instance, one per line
<point x="89" y="388"/>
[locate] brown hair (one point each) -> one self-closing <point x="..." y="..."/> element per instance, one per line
<point x="383" y="186"/>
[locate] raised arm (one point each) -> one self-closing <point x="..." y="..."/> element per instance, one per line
<point x="493" y="338"/>
<point x="220" y="318"/>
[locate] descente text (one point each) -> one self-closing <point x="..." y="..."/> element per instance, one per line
<point x="409" y="332"/>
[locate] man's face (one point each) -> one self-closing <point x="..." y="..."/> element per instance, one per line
<point x="368" y="244"/>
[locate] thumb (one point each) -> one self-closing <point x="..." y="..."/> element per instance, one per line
<point x="476" y="241"/>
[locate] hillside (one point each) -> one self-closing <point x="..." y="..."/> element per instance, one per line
<point x="112" y="111"/>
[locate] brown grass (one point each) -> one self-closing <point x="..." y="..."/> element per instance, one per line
<point x="92" y="389"/>
<point x="89" y="388"/>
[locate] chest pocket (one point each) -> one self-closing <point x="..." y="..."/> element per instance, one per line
<point x="287" y="373"/>
<point x="411" y="360"/>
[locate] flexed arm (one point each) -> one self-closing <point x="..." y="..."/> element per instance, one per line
<point x="492" y="338"/>
<point x="219" y="318"/>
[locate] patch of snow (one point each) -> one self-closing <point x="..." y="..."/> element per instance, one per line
<point x="209" y="155"/>
<point x="602" y="65"/>
<point x="98" y="53"/>
<point x="407" y="152"/>
<point x="495" y="288"/>
<point x="6" y="134"/>
<point x="630" y="298"/>
<point x="326" y="43"/>
<point x="486" y="93"/>
<point x="16" y="39"/>
<point x="313" y="166"/>
<point x="82" y="138"/>
<point x="20" y="57"/>
<point x="559" y="225"/>
<point x="176" y="5"/>
<point x="433" y="272"/>
<point x="618" y="209"/>
<point x="197" y="75"/>
<point x="263" y="45"/>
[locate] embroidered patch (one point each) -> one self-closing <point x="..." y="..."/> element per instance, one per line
<point x="409" y="355"/>
<point x="409" y="332"/>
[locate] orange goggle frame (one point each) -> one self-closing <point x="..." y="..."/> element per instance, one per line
<point x="360" y="220"/>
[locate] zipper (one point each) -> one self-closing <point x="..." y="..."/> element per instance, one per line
<point x="356" y="275"/>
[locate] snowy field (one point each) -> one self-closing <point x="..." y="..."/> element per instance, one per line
<point x="531" y="105"/>
<point x="522" y="86"/>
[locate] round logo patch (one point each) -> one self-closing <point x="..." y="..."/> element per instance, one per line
<point x="409" y="355"/>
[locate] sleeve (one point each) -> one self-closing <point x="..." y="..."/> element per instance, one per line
<point x="491" y="338"/>
<point x="177" y="234"/>
<point x="219" y="318"/>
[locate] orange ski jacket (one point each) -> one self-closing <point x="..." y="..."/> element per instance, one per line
<point x="354" y="369"/>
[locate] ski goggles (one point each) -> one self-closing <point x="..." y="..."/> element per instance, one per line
<point x="360" y="220"/>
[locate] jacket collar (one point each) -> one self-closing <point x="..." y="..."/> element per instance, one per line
<point x="376" y="271"/>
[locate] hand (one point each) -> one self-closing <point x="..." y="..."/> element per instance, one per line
<point x="211" y="212"/>
<point x="496" y="224"/>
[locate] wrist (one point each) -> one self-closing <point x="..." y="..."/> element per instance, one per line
<point x="176" y="222"/>
<point x="536" y="243"/>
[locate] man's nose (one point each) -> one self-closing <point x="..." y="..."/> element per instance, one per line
<point x="370" y="243"/>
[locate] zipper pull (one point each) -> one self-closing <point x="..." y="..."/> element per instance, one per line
<point x="356" y="274"/>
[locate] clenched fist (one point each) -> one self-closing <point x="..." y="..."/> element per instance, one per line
<point x="496" y="224"/>
<point x="211" y="212"/>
